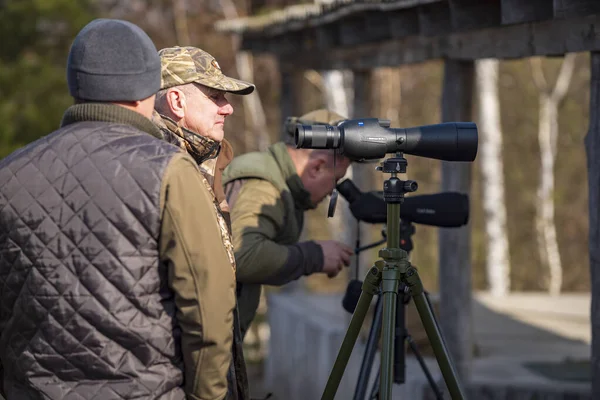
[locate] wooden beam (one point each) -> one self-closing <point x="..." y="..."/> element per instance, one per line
<point x="378" y="25"/>
<point x="404" y="23"/>
<point x="519" y="11"/>
<point x="327" y="36"/>
<point x="575" y="8"/>
<point x="455" y="244"/>
<point x="352" y="30"/>
<point x="291" y="40"/>
<point x="514" y="41"/>
<point x="592" y="146"/>
<point x="253" y="44"/>
<point x="466" y="15"/>
<point x="434" y="19"/>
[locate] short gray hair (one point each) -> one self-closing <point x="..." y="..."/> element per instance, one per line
<point x="160" y="104"/>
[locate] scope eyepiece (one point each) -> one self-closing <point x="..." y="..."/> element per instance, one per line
<point x="317" y="137"/>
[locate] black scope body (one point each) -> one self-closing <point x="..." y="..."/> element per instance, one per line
<point x="372" y="138"/>
<point x="446" y="209"/>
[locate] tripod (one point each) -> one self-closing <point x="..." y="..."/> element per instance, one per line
<point x="386" y="276"/>
<point x="407" y="229"/>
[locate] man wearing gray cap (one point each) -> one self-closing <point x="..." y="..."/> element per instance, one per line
<point x="103" y="293"/>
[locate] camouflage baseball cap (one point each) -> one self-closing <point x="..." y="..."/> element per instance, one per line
<point x="321" y="116"/>
<point x="181" y="65"/>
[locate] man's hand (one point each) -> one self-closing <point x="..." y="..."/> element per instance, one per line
<point x="336" y="255"/>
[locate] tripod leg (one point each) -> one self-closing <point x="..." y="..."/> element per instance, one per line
<point x="375" y="389"/>
<point x="369" y="288"/>
<point x="389" y="288"/>
<point x="417" y="353"/>
<point x="370" y="349"/>
<point x="413" y="281"/>
<point x="399" y="336"/>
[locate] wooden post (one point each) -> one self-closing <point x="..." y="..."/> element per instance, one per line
<point x="455" y="243"/>
<point x="289" y="95"/>
<point x="592" y="146"/>
<point x="361" y="106"/>
<point x="363" y="174"/>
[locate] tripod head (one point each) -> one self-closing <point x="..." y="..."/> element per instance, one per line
<point x="394" y="188"/>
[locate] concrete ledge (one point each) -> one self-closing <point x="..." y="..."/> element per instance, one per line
<point x="306" y="331"/>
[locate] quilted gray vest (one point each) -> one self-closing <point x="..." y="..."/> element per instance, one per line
<point x="85" y="310"/>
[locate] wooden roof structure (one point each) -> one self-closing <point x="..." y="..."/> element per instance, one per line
<point x="374" y="33"/>
<point x="366" y="34"/>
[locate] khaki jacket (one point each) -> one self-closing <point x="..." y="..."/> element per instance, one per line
<point x="201" y="276"/>
<point x="212" y="158"/>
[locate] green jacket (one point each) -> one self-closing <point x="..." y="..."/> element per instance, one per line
<point x="267" y="201"/>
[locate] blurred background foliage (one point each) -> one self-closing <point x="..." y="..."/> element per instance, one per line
<point x="36" y="35"/>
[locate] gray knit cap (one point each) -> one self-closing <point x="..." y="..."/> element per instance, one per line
<point x="113" y="60"/>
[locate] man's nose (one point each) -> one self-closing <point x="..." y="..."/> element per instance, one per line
<point x="226" y="109"/>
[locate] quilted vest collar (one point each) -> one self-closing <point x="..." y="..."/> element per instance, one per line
<point x="107" y="112"/>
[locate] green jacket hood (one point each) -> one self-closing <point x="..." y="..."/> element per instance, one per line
<point x="275" y="166"/>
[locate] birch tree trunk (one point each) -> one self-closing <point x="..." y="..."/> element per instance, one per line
<point x="492" y="174"/>
<point x="549" y="100"/>
<point x="337" y="90"/>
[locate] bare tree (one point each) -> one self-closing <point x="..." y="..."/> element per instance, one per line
<point x="337" y="91"/>
<point x="549" y="100"/>
<point x="492" y="176"/>
<point x="254" y="112"/>
<point x="390" y="96"/>
<point x="182" y="32"/>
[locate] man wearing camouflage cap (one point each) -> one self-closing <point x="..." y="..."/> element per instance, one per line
<point x="268" y="193"/>
<point x="190" y="110"/>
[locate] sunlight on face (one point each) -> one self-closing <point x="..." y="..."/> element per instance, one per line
<point x="205" y="112"/>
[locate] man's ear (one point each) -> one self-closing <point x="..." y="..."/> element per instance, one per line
<point x="176" y="102"/>
<point x="315" y="166"/>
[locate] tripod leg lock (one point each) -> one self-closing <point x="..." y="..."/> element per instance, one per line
<point x="413" y="281"/>
<point x="372" y="281"/>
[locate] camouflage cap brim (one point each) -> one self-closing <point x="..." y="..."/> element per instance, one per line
<point x="227" y="84"/>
